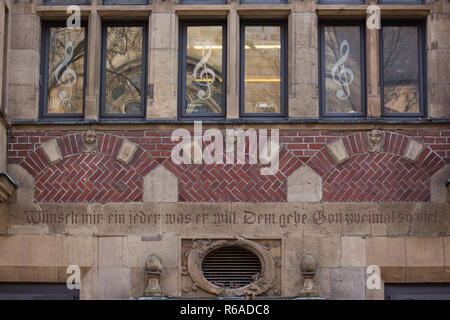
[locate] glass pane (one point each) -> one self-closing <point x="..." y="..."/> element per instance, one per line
<point x="204" y="69"/>
<point x="126" y="1"/>
<point x="123" y="82"/>
<point x="262" y="69"/>
<point x="401" y="69"/>
<point x="64" y="2"/>
<point x="65" y="70"/>
<point x="342" y="69"/>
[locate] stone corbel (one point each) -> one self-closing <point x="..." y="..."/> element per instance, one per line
<point x="7" y="186"/>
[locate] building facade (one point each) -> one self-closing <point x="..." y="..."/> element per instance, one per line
<point x="200" y="148"/>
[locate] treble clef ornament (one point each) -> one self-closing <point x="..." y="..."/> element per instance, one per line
<point x="68" y="77"/>
<point x="206" y="77"/>
<point x="344" y="75"/>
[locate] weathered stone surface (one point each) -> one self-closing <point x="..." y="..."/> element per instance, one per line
<point x="425" y="252"/>
<point x="337" y="151"/>
<point x="113" y="283"/>
<point x="25" y="192"/>
<point x="3" y="140"/>
<point x="304" y="185"/>
<point x="438" y="184"/>
<point x="110" y="252"/>
<point x="23" y="101"/>
<point x="447" y="251"/>
<point x="384" y="251"/>
<point x="413" y="150"/>
<point x="170" y="279"/>
<point x="51" y="151"/>
<point x="201" y="218"/>
<point x="26" y="32"/>
<point x="324" y="248"/>
<point x="353" y="252"/>
<point x="160" y="185"/>
<point x="136" y="251"/>
<point x="348" y="283"/>
<point x="127" y="151"/>
<point x="323" y="278"/>
<point x="292" y="282"/>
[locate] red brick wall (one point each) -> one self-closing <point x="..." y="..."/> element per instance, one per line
<point x="82" y="177"/>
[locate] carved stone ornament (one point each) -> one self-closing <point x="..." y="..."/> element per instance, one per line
<point x="309" y="269"/>
<point x="375" y="140"/>
<point x="153" y="265"/>
<point x="201" y="248"/>
<point x="89" y="141"/>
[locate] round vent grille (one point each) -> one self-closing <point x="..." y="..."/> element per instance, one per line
<point x="231" y="267"/>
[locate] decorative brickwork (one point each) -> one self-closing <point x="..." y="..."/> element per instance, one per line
<point x="99" y="177"/>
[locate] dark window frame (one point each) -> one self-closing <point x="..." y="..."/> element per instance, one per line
<point x="264" y="1"/>
<point x="354" y="2"/>
<point x="421" y="46"/>
<point x="203" y="2"/>
<point x="401" y="2"/>
<point x="283" y="66"/>
<point x="121" y="3"/>
<point x="144" y="69"/>
<point x="43" y="77"/>
<point x="68" y="3"/>
<point x="182" y="69"/>
<point x="322" y="89"/>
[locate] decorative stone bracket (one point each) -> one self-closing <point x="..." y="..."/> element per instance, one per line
<point x="7" y="186"/>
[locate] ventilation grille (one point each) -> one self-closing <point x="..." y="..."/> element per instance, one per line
<point x="231" y="267"/>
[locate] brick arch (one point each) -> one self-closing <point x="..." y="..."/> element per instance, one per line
<point x="88" y="177"/>
<point x="384" y="176"/>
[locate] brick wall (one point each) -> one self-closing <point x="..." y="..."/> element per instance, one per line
<point x="99" y="177"/>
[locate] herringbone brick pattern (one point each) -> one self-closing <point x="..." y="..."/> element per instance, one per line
<point x="98" y="177"/>
<point x="236" y="183"/>
<point x="383" y="176"/>
<point x="88" y="178"/>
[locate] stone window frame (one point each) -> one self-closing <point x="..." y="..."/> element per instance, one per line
<point x="43" y="86"/>
<point x="283" y="65"/>
<point x="321" y="82"/>
<point x="144" y="69"/>
<point x="421" y="67"/>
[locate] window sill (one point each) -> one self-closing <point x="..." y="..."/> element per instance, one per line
<point x="234" y="121"/>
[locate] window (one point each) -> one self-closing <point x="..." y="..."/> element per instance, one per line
<point x="402" y="73"/>
<point x="342" y="69"/>
<point x="263" y="81"/>
<point x="264" y="1"/>
<point x="37" y="291"/>
<point x="63" y="69"/>
<point x="126" y="1"/>
<point x="203" y="1"/>
<point x="124" y="70"/>
<point x="202" y="69"/>
<point x="65" y="2"/>
<point x="401" y="1"/>
<point x="417" y="291"/>
<point x="342" y="1"/>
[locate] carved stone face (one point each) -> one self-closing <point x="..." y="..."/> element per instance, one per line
<point x="89" y="141"/>
<point x="375" y="140"/>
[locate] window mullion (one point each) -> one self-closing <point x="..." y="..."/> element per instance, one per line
<point x="373" y="73"/>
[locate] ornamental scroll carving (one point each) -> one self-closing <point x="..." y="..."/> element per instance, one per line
<point x="197" y="250"/>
